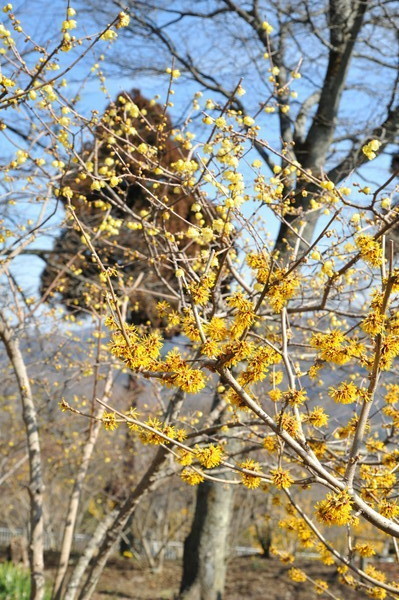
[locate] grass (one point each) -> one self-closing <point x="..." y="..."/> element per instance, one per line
<point x="15" y="583"/>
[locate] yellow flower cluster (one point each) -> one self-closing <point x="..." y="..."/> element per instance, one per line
<point x="216" y="329"/>
<point x="324" y="555"/>
<point x="288" y="423"/>
<point x="235" y="351"/>
<point x="270" y="443"/>
<point x="151" y="437"/>
<point x="389" y="351"/>
<point x="200" y="291"/>
<point x="191" y="476"/>
<point x="371" y="148"/>
<point x="378" y="481"/>
<point x="317" y="417"/>
<point x="297" y="575"/>
<point x="281" y="478"/>
<point x="140" y="353"/>
<point x="244" y="314"/>
<point x="392" y="395"/>
<point x="366" y="550"/>
<point x="336" y="509"/>
<point x="260" y="263"/>
<point x="285" y="557"/>
<point x="334" y="347"/>
<point x="262" y="358"/>
<point x="301" y="530"/>
<point x="282" y="288"/>
<point x="109" y="421"/>
<point x="346" y="393"/>
<point x="388" y="509"/>
<point x="209" y="457"/>
<point x="370" y="250"/>
<point x="250" y="481"/>
<point x="295" y="397"/>
<point x="320" y="586"/>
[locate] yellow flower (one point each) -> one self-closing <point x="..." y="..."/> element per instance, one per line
<point x="297" y="575"/>
<point x="288" y="422"/>
<point x="284" y="556"/>
<point x="109" y="35"/>
<point x="370" y="250"/>
<point x="325" y="556"/>
<point x="392" y="395"/>
<point x="123" y="20"/>
<point x="317" y="417"/>
<point x="209" y="457"/>
<point x="250" y="481"/>
<point x="373" y="572"/>
<point x="281" y="478"/>
<point x="336" y="509"/>
<point x="248" y="121"/>
<point x="270" y="443"/>
<point x="275" y="395"/>
<point x="163" y="308"/>
<point x="282" y="288"/>
<point x="109" y="421"/>
<point x="191" y="477"/>
<point x="320" y="586"/>
<point x="185" y="457"/>
<point x="189" y="380"/>
<point x="216" y="329"/>
<point x="365" y="550"/>
<point x="371" y="148"/>
<point x="201" y="291"/>
<point x="345" y="393"/>
<point x="150" y="437"/>
<point x="235" y="352"/>
<point x="390" y="510"/>
<point x="295" y="397"/>
<point x="267" y="27"/>
<point x="374" y="323"/>
<point x="210" y="348"/>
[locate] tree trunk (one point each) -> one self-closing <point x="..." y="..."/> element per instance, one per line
<point x="74" y="501"/>
<point x="36" y="484"/>
<point x="205" y="548"/>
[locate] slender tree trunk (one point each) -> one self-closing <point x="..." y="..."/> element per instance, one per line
<point x="128" y="466"/>
<point x="90" y="550"/>
<point x="114" y="531"/>
<point x="74" y="501"/>
<point x="107" y="537"/>
<point x="205" y="548"/>
<point x="36" y="485"/>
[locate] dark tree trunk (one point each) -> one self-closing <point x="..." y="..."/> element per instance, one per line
<point x="205" y="548"/>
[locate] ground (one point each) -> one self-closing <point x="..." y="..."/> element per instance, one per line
<point x="250" y="578"/>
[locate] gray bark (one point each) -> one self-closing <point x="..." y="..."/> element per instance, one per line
<point x="90" y="551"/>
<point x="36" y="485"/>
<point x="205" y="548"/>
<point x="345" y="22"/>
<point x="74" y="501"/>
<point x="107" y="539"/>
<point x="114" y="531"/>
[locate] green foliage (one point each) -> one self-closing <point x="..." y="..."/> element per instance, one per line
<point x="15" y="583"/>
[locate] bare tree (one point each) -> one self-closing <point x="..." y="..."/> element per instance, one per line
<point x="337" y="42"/>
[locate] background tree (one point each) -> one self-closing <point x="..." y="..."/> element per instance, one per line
<point x="332" y="112"/>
